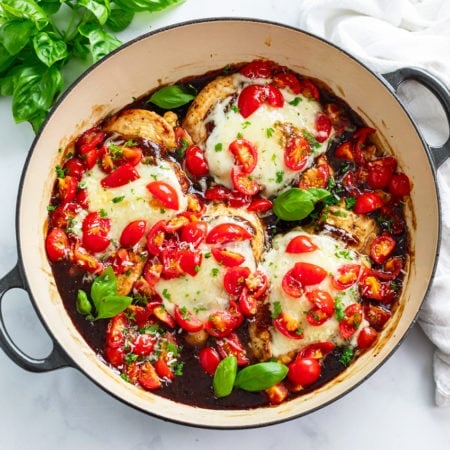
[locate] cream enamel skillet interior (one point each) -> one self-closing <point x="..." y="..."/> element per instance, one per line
<point x="193" y="49"/>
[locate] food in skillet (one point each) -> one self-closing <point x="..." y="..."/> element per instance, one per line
<point x="235" y="251"/>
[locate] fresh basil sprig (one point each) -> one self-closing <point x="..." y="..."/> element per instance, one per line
<point x="260" y="376"/>
<point x="104" y="298"/>
<point x="173" y="96"/>
<point x="224" y="376"/>
<point x="297" y="204"/>
<point x="38" y="38"/>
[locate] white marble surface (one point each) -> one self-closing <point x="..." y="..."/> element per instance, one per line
<point x="64" y="410"/>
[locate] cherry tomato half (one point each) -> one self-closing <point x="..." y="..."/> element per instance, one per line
<point x="291" y="285"/>
<point x="287" y="80"/>
<point x="323" y="127"/>
<point x="296" y="152"/>
<point x="366" y="337"/>
<point x="245" y="154"/>
<point x="194" y="233"/>
<point x="133" y="233"/>
<point x="226" y="257"/>
<point x="222" y="323"/>
<point x="231" y="345"/>
<point x="209" y="359"/>
<point x="367" y="202"/>
<point x="259" y="68"/>
<point x="227" y="232"/>
<point x="186" y="320"/>
<point x="67" y="189"/>
<point x="400" y="185"/>
<point x="260" y="205"/>
<point x="95" y="232"/>
<point x="234" y="279"/>
<point x="288" y="326"/>
<point x="380" y="172"/>
<point x="382" y="247"/>
<point x="308" y="274"/>
<point x="250" y="99"/>
<point x="352" y="320"/>
<point x="164" y="193"/>
<point x="121" y="176"/>
<point x="244" y="182"/>
<point x="57" y="245"/>
<point x="304" y="371"/>
<point x="301" y="244"/>
<point x="346" y="276"/>
<point x="195" y="161"/>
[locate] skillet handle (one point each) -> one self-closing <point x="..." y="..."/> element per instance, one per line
<point x="439" y="89"/>
<point x="55" y="360"/>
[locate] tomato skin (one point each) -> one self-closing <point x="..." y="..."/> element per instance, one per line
<point x="74" y="167"/>
<point x="160" y="312"/>
<point x="231" y="345"/>
<point x="323" y="127"/>
<point x="382" y="247"/>
<point x="186" y="320"/>
<point x="195" y="161"/>
<point x="315" y="177"/>
<point x="367" y="202"/>
<point x="323" y="307"/>
<point x="350" y="323"/>
<point x="63" y="214"/>
<point x="194" y="233"/>
<point x="164" y="193"/>
<point x="304" y="371"/>
<point x="163" y="369"/>
<point x="244" y="182"/>
<point x="147" y="377"/>
<point x="57" y="245"/>
<point x="317" y="350"/>
<point x="259" y="68"/>
<point x="288" y="327"/>
<point x="95" y="232"/>
<point x="190" y="261"/>
<point x="309" y="89"/>
<point x="380" y="172"/>
<point x="132" y="233"/>
<point x="277" y="393"/>
<point x="391" y="268"/>
<point x="257" y="284"/>
<point x="260" y="205"/>
<point x="400" y="185"/>
<point x="226" y="257"/>
<point x="250" y="99"/>
<point x="121" y="176"/>
<point x="301" y="244"/>
<point x="222" y="323"/>
<point x="274" y="97"/>
<point x="115" y="355"/>
<point x="247" y="303"/>
<point x="376" y="315"/>
<point x="67" y="189"/>
<point x="234" y="279"/>
<point x="296" y="152"/>
<point x="366" y="337"/>
<point x="287" y="80"/>
<point x="308" y="274"/>
<point x="347" y="276"/>
<point x="90" y="139"/>
<point x="227" y="232"/>
<point x="209" y="359"/>
<point x="245" y="154"/>
<point x="143" y="344"/>
<point x="291" y="285"/>
<point x="156" y="237"/>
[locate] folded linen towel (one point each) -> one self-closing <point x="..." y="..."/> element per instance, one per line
<point x="387" y="35"/>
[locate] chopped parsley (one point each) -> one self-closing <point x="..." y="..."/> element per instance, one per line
<point x="166" y="294"/>
<point x="118" y="199"/>
<point x="346" y="356"/>
<point x="295" y="101"/>
<point x="276" y="306"/>
<point x="218" y="147"/>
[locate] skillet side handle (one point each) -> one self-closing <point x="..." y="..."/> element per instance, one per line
<point x="439" y="89"/>
<point x="55" y="360"/>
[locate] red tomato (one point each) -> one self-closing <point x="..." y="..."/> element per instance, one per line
<point x="237" y="199"/>
<point x="288" y="326"/>
<point x="226" y="257"/>
<point x="63" y="214"/>
<point x="245" y="154"/>
<point x="143" y="344"/>
<point x="174" y="224"/>
<point x="323" y="127"/>
<point x="163" y="369"/>
<point x="309" y="89"/>
<point x="171" y="262"/>
<point x="250" y="99"/>
<point x="400" y="185"/>
<point x="133" y="233"/>
<point x="82" y="198"/>
<point x="287" y="80"/>
<point x="291" y="285"/>
<point x="156" y="237"/>
<point x="391" y="268"/>
<point x="318" y="350"/>
<point x="308" y="274"/>
<point x="366" y="337"/>
<point x="304" y="371"/>
<point x="380" y="172"/>
<point x="257" y="284"/>
<point x="322" y="300"/>
<point x="67" y="189"/>
<point x="131" y="155"/>
<point x="247" y="303"/>
<point x="95" y="232"/>
<point x="115" y="332"/>
<point x="244" y="182"/>
<point x="223" y="323"/>
<point x="227" y="232"/>
<point x="217" y="193"/>
<point x="277" y="393"/>
<point x="352" y="320"/>
<point x="234" y="279"/>
<point x="346" y="276"/>
<point x="74" y="167"/>
<point x="90" y="139"/>
<point x="195" y="161"/>
<point x="162" y="315"/>
<point x="115" y="355"/>
<point x="367" y="202"/>
<point x="147" y="377"/>
<point x="345" y="151"/>
<point x="360" y="137"/>
<point x="186" y="320"/>
<point x="209" y="359"/>
<point x="182" y="137"/>
<point x="315" y="177"/>
<point x="296" y="152"/>
<point x="57" y="245"/>
<point x="121" y="176"/>
<point x="82" y="258"/>
<point x="190" y="261"/>
<point x="382" y="247"/>
<point x="259" y="68"/>
<point x="152" y="272"/>
<point x="194" y="233"/>
<point x="164" y="193"/>
<point x="260" y="205"/>
<point x="231" y="345"/>
<point x="376" y="315"/>
<point x="274" y="97"/>
<point x="301" y="244"/>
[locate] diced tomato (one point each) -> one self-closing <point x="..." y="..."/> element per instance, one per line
<point x="164" y="193"/>
<point x="309" y="89"/>
<point x="323" y="127"/>
<point x="74" y="167"/>
<point x="226" y="257"/>
<point x="244" y="182"/>
<point x="234" y="279"/>
<point x="315" y="177"/>
<point x="288" y="326"/>
<point x="161" y="313"/>
<point x="148" y="378"/>
<point x="209" y="359"/>
<point x="301" y="244"/>
<point x="187" y="320"/>
<point x="259" y="68"/>
<point x="222" y="323"/>
<point x="57" y="245"/>
<point x="227" y="232"/>
<point x="382" y="247"/>
<point x="277" y="393"/>
<point x="366" y="337"/>
<point x="67" y="189"/>
<point x="352" y="320"/>
<point x="231" y="345"/>
<point x="260" y="205"/>
<point x="194" y="233"/>
<point x="296" y="152"/>
<point x="133" y="233"/>
<point x="367" y="202"/>
<point x="245" y="154"/>
<point x="291" y="285"/>
<point x="287" y="80"/>
<point x="346" y="276"/>
<point x="143" y="344"/>
<point x="304" y="371"/>
<point x="392" y="268"/>
<point x="257" y="283"/>
<point x="399" y="185"/>
<point x="380" y="172"/>
<point x="96" y="232"/>
<point x="376" y="315"/>
<point x="195" y="161"/>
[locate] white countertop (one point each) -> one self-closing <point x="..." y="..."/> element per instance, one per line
<point x="64" y="410"/>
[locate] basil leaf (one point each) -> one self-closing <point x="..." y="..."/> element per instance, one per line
<point x="100" y="41"/>
<point x="50" y="6"/>
<point x="169" y="97"/>
<point x="146" y="5"/>
<point x="296" y="203"/>
<point x="35" y="88"/>
<point x="260" y="376"/>
<point x="103" y="286"/>
<point x="6" y="60"/>
<point x="83" y="305"/>
<point x="16" y="34"/>
<point x="49" y="48"/>
<point x="99" y="9"/>
<point x="25" y="9"/>
<point x="224" y="376"/>
<point x="111" y="305"/>
<point x="119" y="19"/>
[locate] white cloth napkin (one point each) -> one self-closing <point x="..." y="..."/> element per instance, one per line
<point x="387" y="35"/>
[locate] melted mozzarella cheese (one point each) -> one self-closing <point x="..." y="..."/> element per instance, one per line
<point x="204" y="293"/>
<point x="130" y="202"/>
<point x="266" y="128"/>
<point x="330" y="255"/>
